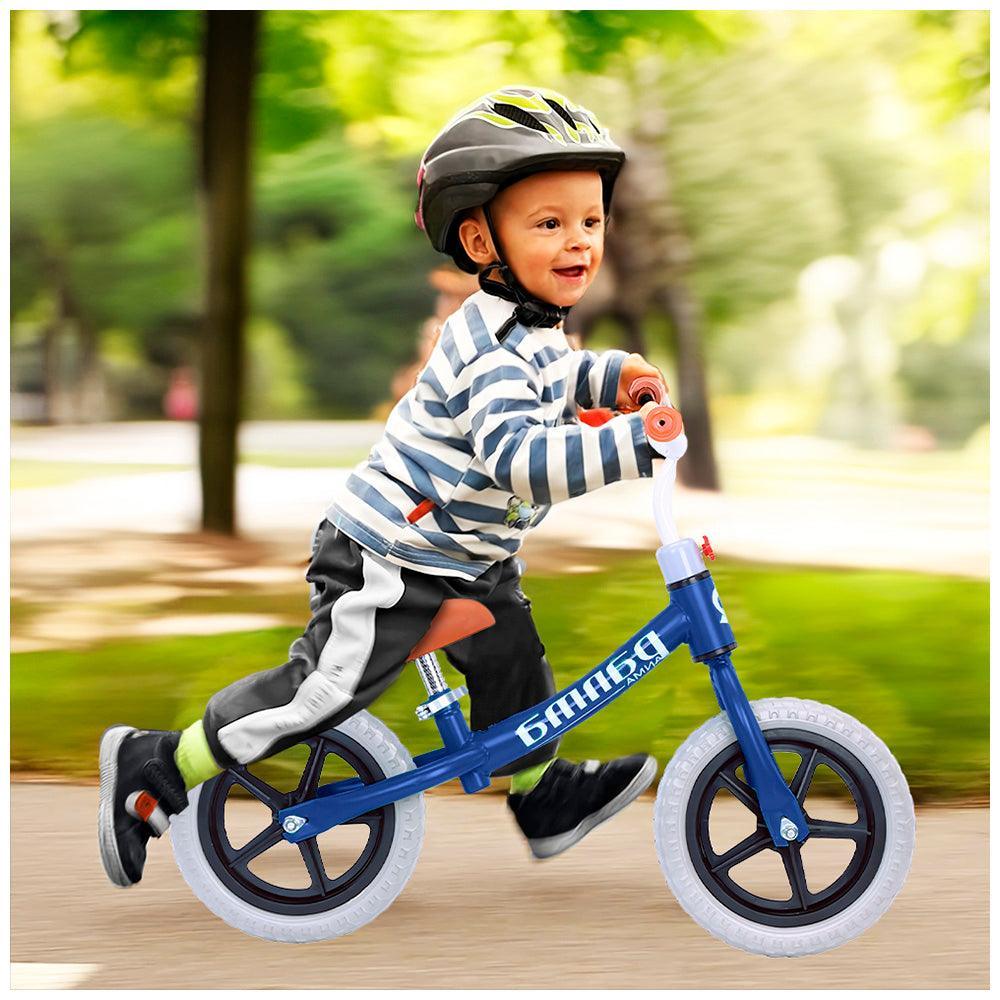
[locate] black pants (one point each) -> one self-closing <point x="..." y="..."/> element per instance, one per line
<point x="367" y="614"/>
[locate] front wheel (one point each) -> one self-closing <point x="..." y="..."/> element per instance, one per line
<point x="808" y="897"/>
<point x="231" y="851"/>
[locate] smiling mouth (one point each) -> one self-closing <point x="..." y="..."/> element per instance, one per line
<point x="571" y="272"/>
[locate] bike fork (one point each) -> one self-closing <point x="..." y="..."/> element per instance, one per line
<point x="783" y="816"/>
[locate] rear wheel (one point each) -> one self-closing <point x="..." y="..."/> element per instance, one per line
<point x="810" y="896"/>
<point x="230" y="849"/>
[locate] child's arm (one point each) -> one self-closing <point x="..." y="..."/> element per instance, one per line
<point x="496" y="401"/>
<point x="593" y="381"/>
<point x="602" y="380"/>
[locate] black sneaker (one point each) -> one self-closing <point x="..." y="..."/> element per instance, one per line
<point x="571" y="799"/>
<point x="140" y="789"/>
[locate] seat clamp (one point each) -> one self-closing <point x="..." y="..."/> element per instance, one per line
<point x="434" y="705"/>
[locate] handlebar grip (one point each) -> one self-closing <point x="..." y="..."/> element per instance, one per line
<point x="646" y="389"/>
<point x="664" y="423"/>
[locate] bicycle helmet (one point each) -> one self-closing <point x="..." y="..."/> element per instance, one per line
<point x="497" y="140"/>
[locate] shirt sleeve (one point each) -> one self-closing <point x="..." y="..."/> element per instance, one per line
<point x="595" y="377"/>
<point x="496" y="402"/>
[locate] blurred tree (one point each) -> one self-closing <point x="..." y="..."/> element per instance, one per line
<point x="230" y="52"/>
<point x="648" y="244"/>
<point x="147" y="46"/>
<point x="751" y="156"/>
<point x="102" y="229"/>
<point x="340" y="265"/>
<point x="767" y="144"/>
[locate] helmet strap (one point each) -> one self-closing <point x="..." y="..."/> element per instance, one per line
<point x="530" y="311"/>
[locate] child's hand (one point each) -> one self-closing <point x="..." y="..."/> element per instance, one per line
<point x="633" y="367"/>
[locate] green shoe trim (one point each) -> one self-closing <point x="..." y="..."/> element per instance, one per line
<point x="194" y="758"/>
<point x="525" y="780"/>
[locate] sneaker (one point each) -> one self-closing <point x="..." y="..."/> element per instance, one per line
<point x="571" y="799"/>
<point x="140" y="789"/>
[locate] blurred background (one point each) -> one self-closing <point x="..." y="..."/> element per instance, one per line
<point x="218" y="291"/>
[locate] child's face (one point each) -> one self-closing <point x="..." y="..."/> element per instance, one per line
<point x="551" y="228"/>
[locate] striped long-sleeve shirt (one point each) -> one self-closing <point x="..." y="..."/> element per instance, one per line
<point x="489" y="435"/>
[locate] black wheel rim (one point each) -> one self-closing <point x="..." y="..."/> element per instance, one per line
<point x="323" y="893"/>
<point x="868" y="833"/>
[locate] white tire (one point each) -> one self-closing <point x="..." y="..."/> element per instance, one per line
<point x="671" y="816"/>
<point x="192" y="850"/>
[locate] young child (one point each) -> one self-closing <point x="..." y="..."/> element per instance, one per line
<point x="516" y="188"/>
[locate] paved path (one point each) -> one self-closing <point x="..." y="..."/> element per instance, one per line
<point x="477" y="914"/>
<point x="794" y="500"/>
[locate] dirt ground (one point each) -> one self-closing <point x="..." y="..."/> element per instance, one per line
<point x="477" y="914"/>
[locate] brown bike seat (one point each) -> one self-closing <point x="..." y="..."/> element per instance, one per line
<point x="458" y="618"/>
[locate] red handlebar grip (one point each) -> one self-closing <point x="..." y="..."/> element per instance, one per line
<point x="664" y="423"/>
<point x="646" y="385"/>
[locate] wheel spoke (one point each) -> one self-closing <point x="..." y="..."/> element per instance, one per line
<point x="791" y="857"/>
<point x="310" y="776"/>
<point x="260" y="790"/>
<point x="803" y="776"/>
<point x="746" y="848"/>
<point x="264" y="841"/>
<point x="309" y="850"/>
<point x="840" y="831"/>
<point x="741" y="790"/>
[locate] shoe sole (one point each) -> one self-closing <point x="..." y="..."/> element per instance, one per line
<point x="547" y="847"/>
<point x="110" y="742"/>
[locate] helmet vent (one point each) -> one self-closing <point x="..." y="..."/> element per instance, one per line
<point x="561" y="112"/>
<point x="518" y="115"/>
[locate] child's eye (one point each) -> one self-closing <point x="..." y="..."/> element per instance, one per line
<point x="545" y="223"/>
<point x="593" y="222"/>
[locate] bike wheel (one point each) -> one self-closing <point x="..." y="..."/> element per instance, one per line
<point x="323" y="887"/>
<point x="808" y="897"/>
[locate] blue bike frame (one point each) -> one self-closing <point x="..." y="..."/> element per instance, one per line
<point x="694" y="617"/>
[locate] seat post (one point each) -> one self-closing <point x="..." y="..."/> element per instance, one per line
<point x="430" y="674"/>
<point x="442" y="705"/>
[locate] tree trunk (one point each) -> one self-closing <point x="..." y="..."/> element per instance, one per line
<point x="86" y="399"/>
<point x="698" y="468"/>
<point x="653" y="258"/>
<point x="228" y="74"/>
<point x="91" y="405"/>
<point x="55" y="408"/>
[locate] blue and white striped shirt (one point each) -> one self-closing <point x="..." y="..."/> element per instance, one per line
<point x="489" y="434"/>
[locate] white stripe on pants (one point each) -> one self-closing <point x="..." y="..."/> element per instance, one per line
<point x="341" y="664"/>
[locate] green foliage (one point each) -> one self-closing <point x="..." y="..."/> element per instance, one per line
<point x="145" y="42"/>
<point x="789" y="136"/>
<point x="275" y="385"/>
<point x="292" y="102"/>
<point x="594" y="38"/>
<point x="907" y="654"/>
<point x="758" y="202"/>
<point x="104" y="212"/>
<point x="947" y="384"/>
<point x="342" y="267"/>
<point x="947" y="65"/>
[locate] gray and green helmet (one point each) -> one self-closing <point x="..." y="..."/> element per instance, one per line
<point x="501" y="138"/>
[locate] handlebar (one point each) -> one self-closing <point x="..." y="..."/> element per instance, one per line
<point x="665" y="432"/>
<point x="663" y="423"/>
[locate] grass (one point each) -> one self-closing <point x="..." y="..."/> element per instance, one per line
<point x="905" y="653"/>
<point x="346" y="459"/>
<point x="30" y="473"/>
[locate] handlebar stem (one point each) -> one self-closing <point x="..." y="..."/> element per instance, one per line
<point x="679" y="558"/>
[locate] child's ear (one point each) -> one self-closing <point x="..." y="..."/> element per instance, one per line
<point x="475" y="239"/>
